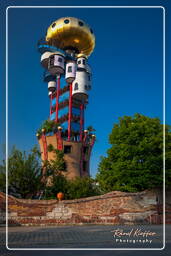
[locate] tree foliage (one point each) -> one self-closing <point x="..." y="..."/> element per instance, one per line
<point x="82" y="187"/>
<point x="49" y="126"/>
<point x="90" y="129"/>
<point x="135" y="160"/>
<point x="79" y="187"/>
<point x="24" y="173"/>
<point x="59" y="184"/>
<point x="3" y="176"/>
<point x="57" y="164"/>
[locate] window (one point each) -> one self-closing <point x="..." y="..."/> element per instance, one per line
<point x="86" y="87"/>
<point x="66" y="21"/>
<point x="60" y="59"/>
<point x="85" y="150"/>
<point x="53" y="25"/>
<point x="89" y="78"/>
<point x="81" y="23"/>
<point x="76" y="87"/>
<point x="83" y="61"/>
<point x="51" y="60"/>
<point x="79" y="62"/>
<point x="91" y="30"/>
<point x="70" y="69"/>
<point x="84" y="166"/>
<point x="67" y="149"/>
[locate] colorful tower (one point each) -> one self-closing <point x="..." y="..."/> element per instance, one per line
<point x="64" y="56"/>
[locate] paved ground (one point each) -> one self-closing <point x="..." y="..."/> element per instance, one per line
<point x="87" y="236"/>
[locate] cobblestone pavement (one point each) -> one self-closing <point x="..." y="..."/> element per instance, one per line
<point x="86" y="236"/>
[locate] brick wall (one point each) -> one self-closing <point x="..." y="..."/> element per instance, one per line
<point x="111" y="208"/>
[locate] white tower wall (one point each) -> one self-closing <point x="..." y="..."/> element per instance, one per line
<point x="81" y="63"/>
<point x="80" y="85"/>
<point x="70" y="72"/>
<point x="56" y="64"/>
<point x="44" y="59"/>
<point x="89" y="74"/>
<point x="52" y="86"/>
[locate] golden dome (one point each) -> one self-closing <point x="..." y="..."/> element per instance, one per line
<point x="71" y="33"/>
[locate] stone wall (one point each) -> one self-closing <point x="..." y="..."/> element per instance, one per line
<point x="111" y="208"/>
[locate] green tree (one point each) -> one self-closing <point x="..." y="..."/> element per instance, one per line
<point x="60" y="184"/>
<point x="135" y="160"/>
<point x="56" y="165"/>
<point x="2" y="176"/>
<point x="49" y="126"/>
<point x="24" y="173"/>
<point x="90" y="129"/>
<point x="82" y="187"/>
<point x="54" y="179"/>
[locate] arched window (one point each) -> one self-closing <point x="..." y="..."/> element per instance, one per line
<point x="76" y="87"/>
<point x="69" y="69"/>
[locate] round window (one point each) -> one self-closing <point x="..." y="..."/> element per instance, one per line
<point x="53" y="25"/>
<point x="81" y="23"/>
<point x="66" y="21"/>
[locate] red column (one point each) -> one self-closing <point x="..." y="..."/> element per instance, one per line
<point x="44" y="146"/>
<point x="85" y="137"/>
<point x="70" y="112"/>
<point x="59" y="140"/>
<point x="93" y="141"/>
<point x="81" y="136"/>
<point x="57" y="97"/>
<point x="81" y="121"/>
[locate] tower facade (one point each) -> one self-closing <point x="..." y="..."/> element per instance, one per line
<point x="64" y="57"/>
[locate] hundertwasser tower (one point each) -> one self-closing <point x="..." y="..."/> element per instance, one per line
<point x="64" y="56"/>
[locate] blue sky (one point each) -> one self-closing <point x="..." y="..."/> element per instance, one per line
<point x="126" y="63"/>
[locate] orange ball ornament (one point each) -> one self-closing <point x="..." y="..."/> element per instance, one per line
<point x="60" y="196"/>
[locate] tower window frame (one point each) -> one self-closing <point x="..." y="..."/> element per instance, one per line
<point x="76" y="87"/>
<point x="66" y="21"/>
<point x="69" y="69"/>
<point x="51" y="60"/>
<point x="85" y="163"/>
<point x="60" y="59"/>
<point x="85" y="149"/>
<point x="53" y="25"/>
<point x="67" y="149"/>
<point x="81" y="23"/>
<point x="91" y="30"/>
